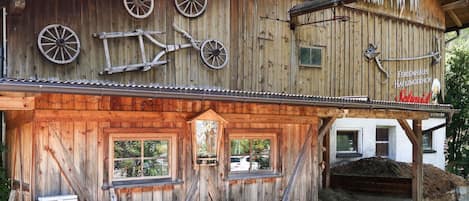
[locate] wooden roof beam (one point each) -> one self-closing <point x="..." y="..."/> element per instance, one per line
<point x="372" y="113"/>
<point x="455" y="5"/>
<point x="16" y="103"/>
<point x="455" y="18"/>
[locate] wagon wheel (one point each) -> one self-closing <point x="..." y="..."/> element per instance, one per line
<point x="139" y="8"/>
<point x="191" y="8"/>
<point x="59" y="44"/>
<point x="214" y="54"/>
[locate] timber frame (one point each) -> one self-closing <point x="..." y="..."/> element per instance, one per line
<point x="316" y="122"/>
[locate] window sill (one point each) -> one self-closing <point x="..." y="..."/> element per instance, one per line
<point x="142" y="183"/>
<point x="348" y="155"/>
<point x="241" y="176"/>
<point x="429" y="151"/>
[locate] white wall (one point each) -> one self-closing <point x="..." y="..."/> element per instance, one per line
<point x="400" y="148"/>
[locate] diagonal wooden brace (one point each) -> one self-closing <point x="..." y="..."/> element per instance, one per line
<point x="62" y="157"/>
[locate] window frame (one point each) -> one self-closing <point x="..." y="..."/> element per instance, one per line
<point x="382" y="142"/>
<point x="321" y="48"/>
<point x="140" y="135"/>
<point x="430" y="150"/>
<point x="357" y="143"/>
<point x="272" y="134"/>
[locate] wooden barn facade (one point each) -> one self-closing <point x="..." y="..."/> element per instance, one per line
<point x="206" y="100"/>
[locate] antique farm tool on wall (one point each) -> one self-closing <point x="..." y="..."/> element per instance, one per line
<point x="139" y="8"/>
<point x="58" y="44"/>
<point x="212" y="52"/>
<point x="191" y="8"/>
<point x="372" y="53"/>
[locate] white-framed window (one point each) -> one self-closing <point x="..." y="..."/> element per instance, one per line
<point x="311" y="56"/>
<point x="347" y="141"/>
<point x="382" y="142"/>
<point x="142" y="156"/>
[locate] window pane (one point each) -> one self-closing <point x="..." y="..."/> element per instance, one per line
<point x="305" y="56"/>
<point x="382" y="149"/>
<point x="261" y="155"/>
<point x="382" y="134"/>
<point x="427" y="142"/>
<point x="206" y="132"/>
<point x="127" y="168"/>
<point x="156" y="148"/>
<point x="261" y="146"/>
<point x="155" y="167"/>
<point x="239" y="147"/>
<point x="239" y="155"/>
<point x="347" y="141"/>
<point x="127" y="149"/>
<point x="316" y="56"/>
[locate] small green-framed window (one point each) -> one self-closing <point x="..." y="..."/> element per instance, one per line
<point x="311" y="56"/>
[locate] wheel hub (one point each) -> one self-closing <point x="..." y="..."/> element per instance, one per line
<point x="216" y="52"/>
<point x="60" y="42"/>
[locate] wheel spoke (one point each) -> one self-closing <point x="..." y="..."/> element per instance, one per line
<point x="62" y="53"/>
<point x="182" y="3"/>
<point x="49" y="39"/>
<point x="49" y="50"/>
<point x="50" y="34"/>
<point x="57" y="32"/>
<point x="70" y="48"/>
<point x="63" y="32"/>
<point x="71" y="42"/>
<point x="55" y="53"/>
<point x="146" y="6"/>
<point x="68" y="53"/>
<point x="187" y="6"/>
<point x="47" y="44"/>
<point x="198" y="3"/>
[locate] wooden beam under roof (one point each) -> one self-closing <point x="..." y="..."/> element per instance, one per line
<point x="455" y="18"/>
<point x="324" y="112"/>
<point x="16" y="103"/>
<point x="455" y="5"/>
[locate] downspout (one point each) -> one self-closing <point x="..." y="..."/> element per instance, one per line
<point x="3" y="74"/>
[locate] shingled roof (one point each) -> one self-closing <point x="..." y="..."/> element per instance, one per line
<point x="158" y="91"/>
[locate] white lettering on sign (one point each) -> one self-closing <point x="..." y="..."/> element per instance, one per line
<point x="404" y="74"/>
<point x="411" y="74"/>
<point x="407" y="83"/>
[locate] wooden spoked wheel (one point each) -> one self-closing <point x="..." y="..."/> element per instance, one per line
<point x="58" y="44"/>
<point x="139" y="8"/>
<point x="191" y="8"/>
<point x="214" y="54"/>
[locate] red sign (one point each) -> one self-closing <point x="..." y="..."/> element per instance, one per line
<point x="410" y="98"/>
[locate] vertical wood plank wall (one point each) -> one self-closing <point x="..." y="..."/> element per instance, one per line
<point x="86" y="139"/>
<point x="257" y="35"/>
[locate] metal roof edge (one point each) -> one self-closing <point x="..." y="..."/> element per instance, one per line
<point x="106" y="89"/>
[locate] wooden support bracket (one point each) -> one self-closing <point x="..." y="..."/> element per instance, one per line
<point x="408" y="131"/>
<point x="62" y="157"/>
<point x="455" y="18"/>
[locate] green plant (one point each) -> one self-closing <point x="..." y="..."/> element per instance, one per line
<point x="457" y="94"/>
<point x="4" y="180"/>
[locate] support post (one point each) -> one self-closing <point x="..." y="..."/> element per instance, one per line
<point x="415" y="136"/>
<point x="323" y="130"/>
<point x="417" y="162"/>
